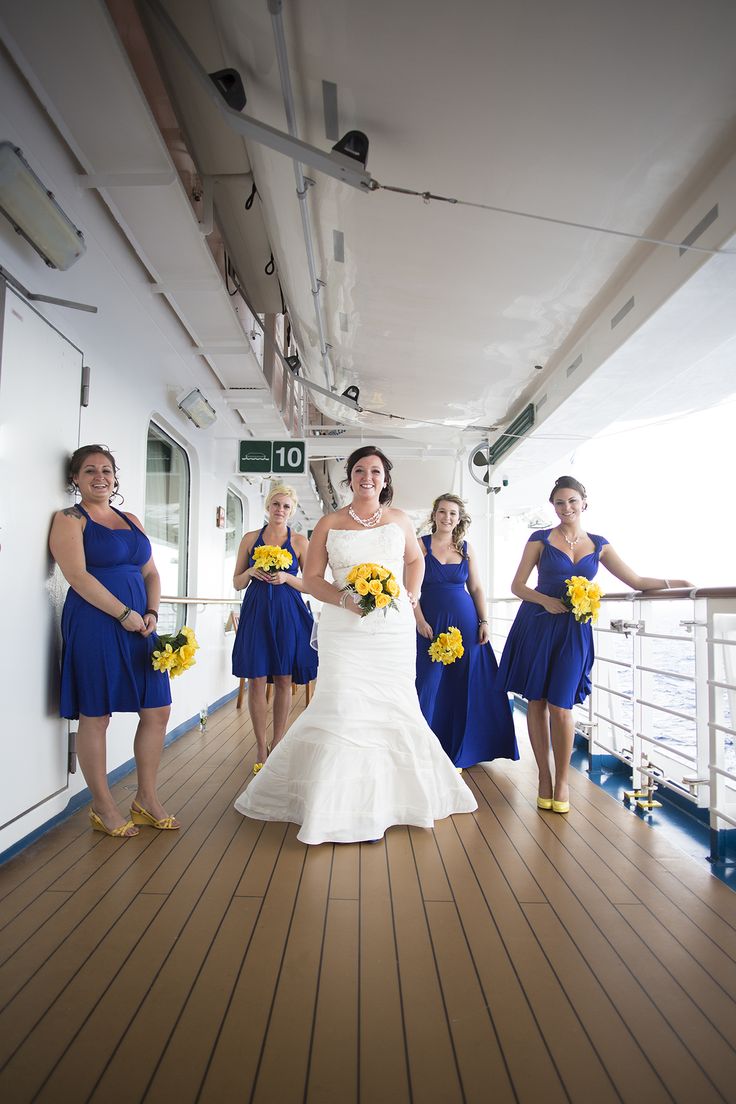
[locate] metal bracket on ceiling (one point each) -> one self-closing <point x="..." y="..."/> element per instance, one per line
<point x="337" y="165"/>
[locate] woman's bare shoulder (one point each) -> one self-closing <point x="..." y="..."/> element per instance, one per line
<point x="336" y="520"/>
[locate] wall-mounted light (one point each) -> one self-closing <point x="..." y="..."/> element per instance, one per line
<point x="34" y="213"/>
<point x="197" y="409"/>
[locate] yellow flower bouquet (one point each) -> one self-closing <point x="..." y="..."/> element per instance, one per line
<point x="447" y="646"/>
<point x="175" y="652"/>
<point x="271" y="558"/>
<point x="376" y="587"/>
<point x="582" y="598"/>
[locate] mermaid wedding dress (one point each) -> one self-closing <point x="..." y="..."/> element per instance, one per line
<point x="360" y="757"/>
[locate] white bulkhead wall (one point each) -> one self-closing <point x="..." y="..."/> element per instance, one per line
<point x="140" y="360"/>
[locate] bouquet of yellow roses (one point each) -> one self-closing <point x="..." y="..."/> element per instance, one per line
<point x="376" y="586"/>
<point x="175" y="653"/>
<point x="447" y="646"/>
<point x="582" y="598"/>
<point x="271" y="558"/>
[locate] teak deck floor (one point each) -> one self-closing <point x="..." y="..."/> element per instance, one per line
<point x="509" y="955"/>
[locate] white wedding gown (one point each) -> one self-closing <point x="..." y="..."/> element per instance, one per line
<point x="360" y="757"/>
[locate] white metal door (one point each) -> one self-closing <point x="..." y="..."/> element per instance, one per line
<point x="40" y="387"/>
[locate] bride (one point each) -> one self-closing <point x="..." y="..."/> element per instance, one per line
<point x="361" y="757"/>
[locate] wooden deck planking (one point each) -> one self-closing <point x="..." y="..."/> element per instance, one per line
<point x="383" y="1068"/>
<point x="480" y="1060"/>
<point x="48" y="1030"/>
<point x="521" y="954"/>
<point x="526" y="1051"/>
<point x="334" y="1060"/>
<point x="432" y="1062"/>
<point x="184" y="1061"/>
<point x="292" y="1013"/>
<point x="650" y="862"/>
<point x="237" y="1052"/>
<point x="628" y="970"/>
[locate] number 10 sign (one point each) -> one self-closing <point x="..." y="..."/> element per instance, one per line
<point x="276" y="457"/>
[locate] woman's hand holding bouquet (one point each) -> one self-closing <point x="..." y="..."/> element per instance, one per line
<point x="373" y="587"/>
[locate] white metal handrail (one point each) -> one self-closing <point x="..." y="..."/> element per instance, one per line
<point x="626" y="711"/>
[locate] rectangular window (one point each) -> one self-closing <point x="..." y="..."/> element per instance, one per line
<point x="167" y="520"/>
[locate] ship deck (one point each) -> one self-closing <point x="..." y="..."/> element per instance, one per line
<point x="508" y="955"/>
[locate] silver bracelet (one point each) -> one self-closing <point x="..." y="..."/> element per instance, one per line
<point x="343" y="598"/>
<point x="667" y="585"/>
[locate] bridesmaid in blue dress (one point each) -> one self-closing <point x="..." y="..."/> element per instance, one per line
<point x="549" y="655"/>
<point x="109" y="616"/>
<point x="275" y="627"/>
<point x="462" y="702"/>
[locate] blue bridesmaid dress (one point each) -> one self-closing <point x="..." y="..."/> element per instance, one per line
<point x="549" y="656"/>
<point x="274" y="630"/>
<point x="462" y="702"/>
<point x="104" y="668"/>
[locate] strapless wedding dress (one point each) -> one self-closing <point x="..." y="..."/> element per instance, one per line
<point x="361" y="756"/>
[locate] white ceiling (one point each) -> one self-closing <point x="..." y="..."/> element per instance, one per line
<point x="619" y="116"/>
<point x="587" y="111"/>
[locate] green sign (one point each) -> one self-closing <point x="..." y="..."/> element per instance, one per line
<point x="255" y="457"/>
<point x="289" y="458"/>
<point x="277" y="457"/>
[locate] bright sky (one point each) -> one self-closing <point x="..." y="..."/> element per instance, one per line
<point x="662" y="494"/>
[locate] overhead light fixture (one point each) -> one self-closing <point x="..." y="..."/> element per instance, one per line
<point x="34" y="213"/>
<point x="197" y="409"/>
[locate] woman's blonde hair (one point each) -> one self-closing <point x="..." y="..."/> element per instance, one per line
<point x="458" y="533"/>
<point x="282" y="489"/>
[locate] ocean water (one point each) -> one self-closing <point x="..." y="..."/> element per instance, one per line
<point x="670" y="658"/>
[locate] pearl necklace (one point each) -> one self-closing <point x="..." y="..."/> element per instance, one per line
<point x="369" y="522"/>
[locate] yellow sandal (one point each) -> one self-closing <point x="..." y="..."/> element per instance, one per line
<point x="121" y="832"/>
<point x="139" y="815"/>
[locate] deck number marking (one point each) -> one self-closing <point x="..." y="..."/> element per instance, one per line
<point x="277" y="457"/>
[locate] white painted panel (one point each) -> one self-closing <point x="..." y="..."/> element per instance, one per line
<point x="40" y="379"/>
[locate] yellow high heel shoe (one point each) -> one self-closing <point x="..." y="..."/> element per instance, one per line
<point x="257" y="767"/>
<point x="123" y="831"/>
<point x="139" y="815"/>
<point x="545" y="803"/>
<point x="560" y="806"/>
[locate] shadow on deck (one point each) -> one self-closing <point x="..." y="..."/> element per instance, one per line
<point x="509" y="955"/>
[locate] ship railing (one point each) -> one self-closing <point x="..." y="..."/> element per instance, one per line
<point x="663" y="696"/>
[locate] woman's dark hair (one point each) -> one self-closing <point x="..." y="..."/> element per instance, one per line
<point x="78" y="458"/>
<point x="387" y="493"/>
<point x="568" y="481"/>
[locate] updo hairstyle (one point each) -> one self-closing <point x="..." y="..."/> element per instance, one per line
<point x="281" y="489"/>
<point x="573" y="485"/>
<point x="458" y="533"/>
<point x="387" y="493"/>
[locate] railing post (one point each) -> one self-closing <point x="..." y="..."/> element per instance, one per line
<point x="705" y="703"/>
<point x="716" y="743"/>
<point x="639" y="781"/>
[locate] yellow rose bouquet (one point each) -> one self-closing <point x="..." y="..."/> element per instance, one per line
<point x="375" y="586"/>
<point x="175" y="652"/>
<point x="271" y="558"/>
<point x="447" y="646"/>
<point x="582" y="598"/>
